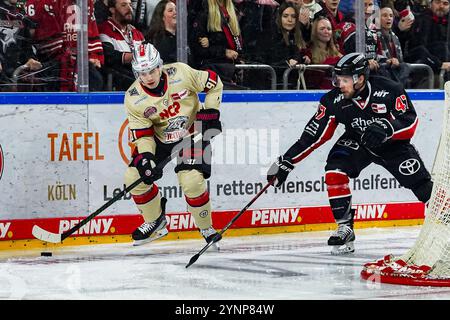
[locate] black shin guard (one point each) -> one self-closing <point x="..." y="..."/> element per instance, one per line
<point x="342" y="212"/>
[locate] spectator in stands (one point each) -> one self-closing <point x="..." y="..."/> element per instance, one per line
<point x="15" y="49"/>
<point x="373" y="45"/>
<point x="427" y="40"/>
<point x="287" y="44"/>
<point x="347" y="7"/>
<point x="95" y="49"/>
<point x="308" y="11"/>
<point x="321" y="50"/>
<point x="392" y="64"/>
<point x="345" y="37"/>
<point x="313" y="7"/>
<point x="142" y="14"/>
<point x="101" y="11"/>
<point x="256" y="23"/>
<point x="416" y="6"/>
<point x="330" y="10"/>
<point x="118" y="37"/>
<point x="216" y="40"/>
<point x="162" y="31"/>
<point x="55" y="38"/>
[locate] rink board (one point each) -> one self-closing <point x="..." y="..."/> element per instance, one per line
<point x="62" y="156"/>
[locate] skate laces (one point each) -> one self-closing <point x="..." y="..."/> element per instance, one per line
<point x="147" y="226"/>
<point x="342" y="231"/>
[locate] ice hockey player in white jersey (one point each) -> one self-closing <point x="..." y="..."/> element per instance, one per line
<point x="162" y="106"/>
<point x="379" y="120"/>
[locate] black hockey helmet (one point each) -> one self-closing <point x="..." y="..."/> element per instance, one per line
<point x="352" y="64"/>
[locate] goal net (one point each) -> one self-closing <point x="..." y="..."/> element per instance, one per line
<point x="427" y="263"/>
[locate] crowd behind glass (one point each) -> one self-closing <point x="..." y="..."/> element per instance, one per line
<point x="251" y="44"/>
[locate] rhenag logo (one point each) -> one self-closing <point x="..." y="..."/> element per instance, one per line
<point x="2" y="161"/>
<point x="362" y="124"/>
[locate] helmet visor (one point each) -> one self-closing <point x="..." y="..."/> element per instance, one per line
<point x="338" y="80"/>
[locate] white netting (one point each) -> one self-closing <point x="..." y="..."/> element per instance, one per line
<point x="428" y="261"/>
<point x="432" y="247"/>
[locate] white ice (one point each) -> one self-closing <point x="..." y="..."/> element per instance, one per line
<point x="283" y="266"/>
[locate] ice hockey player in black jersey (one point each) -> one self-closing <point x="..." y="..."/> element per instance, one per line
<point x="379" y="121"/>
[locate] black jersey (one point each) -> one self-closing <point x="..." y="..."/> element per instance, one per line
<point x="380" y="99"/>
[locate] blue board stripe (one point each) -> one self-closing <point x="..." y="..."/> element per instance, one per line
<point x="228" y="96"/>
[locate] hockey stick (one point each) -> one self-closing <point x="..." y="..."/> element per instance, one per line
<point x="47" y="236"/>
<point x="215" y="239"/>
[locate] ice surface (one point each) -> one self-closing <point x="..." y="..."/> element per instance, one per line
<point x="283" y="266"/>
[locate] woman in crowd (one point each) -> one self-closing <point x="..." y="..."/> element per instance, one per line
<point x="321" y="50"/>
<point x="216" y="40"/>
<point x="162" y="31"/>
<point x="287" y="43"/>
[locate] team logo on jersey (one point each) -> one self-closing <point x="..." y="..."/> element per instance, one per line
<point x="133" y="92"/>
<point x="379" y="108"/>
<point x="171" y="71"/>
<point x="409" y="167"/>
<point x="176" y="129"/>
<point x="150" y="111"/>
<point x="2" y="163"/>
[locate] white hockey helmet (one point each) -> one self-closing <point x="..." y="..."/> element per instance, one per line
<point x="145" y="59"/>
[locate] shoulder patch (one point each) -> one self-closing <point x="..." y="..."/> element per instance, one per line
<point x="133" y="92"/>
<point x="171" y="71"/>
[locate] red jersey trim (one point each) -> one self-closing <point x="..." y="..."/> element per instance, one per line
<point x="139" y="133"/>
<point x="326" y="135"/>
<point x="406" y="133"/>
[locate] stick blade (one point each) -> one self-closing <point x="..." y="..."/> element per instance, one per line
<point x="46" y="236"/>
<point x="193" y="259"/>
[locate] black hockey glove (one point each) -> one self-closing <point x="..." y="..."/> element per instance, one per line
<point x="280" y="170"/>
<point x="146" y="166"/>
<point x="211" y="125"/>
<point x="377" y="133"/>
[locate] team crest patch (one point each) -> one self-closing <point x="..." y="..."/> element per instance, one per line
<point x="133" y="92"/>
<point x="171" y="71"/>
<point x="150" y="111"/>
<point x="379" y="108"/>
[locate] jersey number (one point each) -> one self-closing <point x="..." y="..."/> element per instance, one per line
<point x="401" y="103"/>
<point x="321" y="112"/>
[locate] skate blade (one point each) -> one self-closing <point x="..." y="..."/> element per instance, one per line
<point x="215" y="247"/>
<point x="158" y="235"/>
<point x="347" y="248"/>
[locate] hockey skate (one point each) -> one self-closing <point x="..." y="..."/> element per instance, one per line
<point x="209" y="234"/>
<point x="151" y="231"/>
<point x="342" y="240"/>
